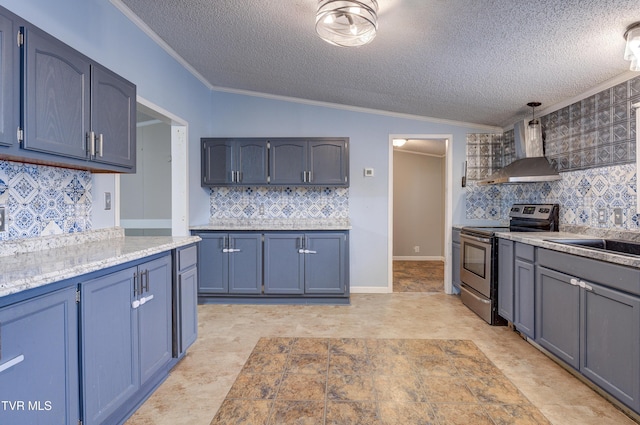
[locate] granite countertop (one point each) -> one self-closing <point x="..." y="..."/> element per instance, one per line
<point x="26" y="270"/>
<point x="275" y="224"/>
<point x="540" y="239"/>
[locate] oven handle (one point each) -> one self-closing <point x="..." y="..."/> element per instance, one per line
<point x="475" y="238"/>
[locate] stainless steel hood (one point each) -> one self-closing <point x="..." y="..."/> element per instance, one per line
<point x="530" y="166"/>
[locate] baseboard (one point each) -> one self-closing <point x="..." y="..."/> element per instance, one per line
<point x="429" y="258"/>
<point x="370" y="290"/>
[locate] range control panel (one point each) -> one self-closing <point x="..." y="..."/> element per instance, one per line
<point x="533" y="211"/>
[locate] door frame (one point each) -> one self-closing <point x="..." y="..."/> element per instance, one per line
<point x="448" y="205"/>
<point x="179" y="167"/>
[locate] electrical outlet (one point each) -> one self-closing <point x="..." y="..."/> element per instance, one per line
<point x="261" y="209"/>
<point x="602" y="215"/>
<point x="107" y="201"/>
<point x="416" y="248"/>
<point x="3" y="219"/>
<point x="617" y="216"/>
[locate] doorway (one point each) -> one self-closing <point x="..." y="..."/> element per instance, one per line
<point x="154" y="200"/>
<point x="420" y="201"/>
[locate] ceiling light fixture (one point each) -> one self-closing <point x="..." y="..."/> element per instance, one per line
<point x="347" y="23"/>
<point x="535" y="131"/>
<point x="399" y="142"/>
<point x="632" y="48"/>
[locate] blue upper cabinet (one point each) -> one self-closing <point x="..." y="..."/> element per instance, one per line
<point x="58" y="107"/>
<point x="233" y="162"/>
<point x="113" y="118"/>
<point x="56" y="112"/>
<point x="75" y="111"/>
<point x="282" y="162"/>
<point x="313" y="162"/>
<point x="9" y="79"/>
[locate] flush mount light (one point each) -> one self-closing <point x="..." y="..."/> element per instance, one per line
<point x="399" y="142"/>
<point x="347" y="23"/>
<point x="632" y="49"/>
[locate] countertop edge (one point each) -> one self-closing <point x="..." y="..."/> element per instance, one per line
<point x="540" y="239"/>
<point x="42" y="279"/>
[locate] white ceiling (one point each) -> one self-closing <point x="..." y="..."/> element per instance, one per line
<point x="463" y="60"/>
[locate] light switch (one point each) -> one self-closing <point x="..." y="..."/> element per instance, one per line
<point x="368" y="172"/>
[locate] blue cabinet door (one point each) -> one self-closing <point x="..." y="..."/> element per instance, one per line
<point x="283" y="263"/>
<point x="188" y="308"/>
<point x="505" y="279"/>
<point x="524" y="292"/>
<point x="56" y="103"/>
<point x="110" y="355"/>
<point x="113" y="118"/>
<point x="39" y="381"/>
<point x="154" y="316"/>
<point x="217" y="162"/>
<point x="325" y="263"/>
<point x="9" y="80"/>
<point x="288" y="161"/>
<point x="213" y="270"/>
<point x="610" y="354"/>
<point x="328" y="162"/>
<point x="251" y="162"/>
<point x="245" y="263"/>
<point x="558" y="315"/>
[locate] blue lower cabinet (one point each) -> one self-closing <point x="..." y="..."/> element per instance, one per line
<point x="230" y="263"/>
<point x="126" y="328"/>
<point x="283" y="263"/>
<point x="39" y="360"/>
<point x="306" y="263"/>
<point x="325" y="263"/>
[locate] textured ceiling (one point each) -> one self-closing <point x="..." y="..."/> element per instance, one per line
<point x="464" y="60"/>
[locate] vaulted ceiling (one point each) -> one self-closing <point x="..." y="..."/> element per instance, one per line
<point x="463" y="60"/>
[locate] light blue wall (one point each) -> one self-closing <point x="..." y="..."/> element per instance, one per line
<point x="245" y="116"/>
<point x="102" y="32"/>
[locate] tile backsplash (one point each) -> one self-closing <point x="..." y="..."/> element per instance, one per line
<point x="42" y="200"/>
<point x="592" y="143"/>
<point x="580" y="195"/>
<point x="279" y="202"/>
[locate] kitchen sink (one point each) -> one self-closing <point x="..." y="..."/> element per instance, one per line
<point x="609" y="245"/>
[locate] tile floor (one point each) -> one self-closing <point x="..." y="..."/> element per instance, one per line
<point x="418" y="276"/>
<point x="351" y="381"/>
<point x="198" y="385"/>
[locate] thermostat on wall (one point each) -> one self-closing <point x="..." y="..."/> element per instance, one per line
<point x="368" y="172"/>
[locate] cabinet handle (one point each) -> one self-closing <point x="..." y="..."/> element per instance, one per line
<point x="91" y="143"/>
<point x="574" y="281"/>
<point x="586" y="286"/>
<point x="135" y="285"/>
<point x="100" y="140"/>
<point x="145" y="300"/>
<point x="234" y="250"/>
<point x="135" y="304"/>
<point x="301" y="251"/>
<point x="308" y="251"/>
<point x="10" y="363"/>
<point x="144" y="281"/>
<point x="239" y="176"/>
<point x="310" y="178"/>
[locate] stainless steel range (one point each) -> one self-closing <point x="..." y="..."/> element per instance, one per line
<point x="479" y="256"/>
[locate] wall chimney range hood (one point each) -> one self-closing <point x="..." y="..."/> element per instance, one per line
<point x="530" y="166"/>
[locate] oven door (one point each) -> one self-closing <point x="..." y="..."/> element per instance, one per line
<point x="475" y="263"/>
